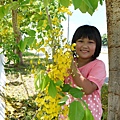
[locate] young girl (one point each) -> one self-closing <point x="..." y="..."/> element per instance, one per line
<point x="87" y="71"/>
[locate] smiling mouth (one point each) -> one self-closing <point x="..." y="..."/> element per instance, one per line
<point x="84" y="51"/>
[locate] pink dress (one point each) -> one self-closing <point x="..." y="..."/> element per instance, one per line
<point x="95" y="72"/>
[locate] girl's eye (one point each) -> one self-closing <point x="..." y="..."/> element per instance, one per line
<point x="91" y="42"/>
<point x="80" y="41"/>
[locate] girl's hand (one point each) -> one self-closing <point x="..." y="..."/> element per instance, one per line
<point x="74" y="68"/>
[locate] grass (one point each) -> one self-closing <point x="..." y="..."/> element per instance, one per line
<point x="20" y="92"/>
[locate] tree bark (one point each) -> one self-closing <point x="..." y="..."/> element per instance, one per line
<point x="113" y="27"/>
<point x="17" y="33"/>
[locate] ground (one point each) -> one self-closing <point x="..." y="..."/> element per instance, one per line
<point x="20" y="92"/>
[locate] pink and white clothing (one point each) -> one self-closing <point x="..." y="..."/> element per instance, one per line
<point x="95" y="72"/>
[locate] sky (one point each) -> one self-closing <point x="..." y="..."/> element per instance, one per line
<point x="98" y="19"/>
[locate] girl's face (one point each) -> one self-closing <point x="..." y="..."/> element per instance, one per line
<point x="85" y="48"/>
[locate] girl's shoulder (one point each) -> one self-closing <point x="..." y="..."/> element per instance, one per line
<point x="93" y="63"/>
<point x="97" y="61"/>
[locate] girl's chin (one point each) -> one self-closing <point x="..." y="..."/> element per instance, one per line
<point x="84" y="57"/>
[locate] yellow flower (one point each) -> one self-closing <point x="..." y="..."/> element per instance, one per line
<point x="38" y="61"/>
<point x="73" y="46"/>
<point x="33" y="66"/>
<point x="40" y="12"/>
<point x="32" y="71"/>
<point x="31" y="62"/>
<point x="41" y="49"/>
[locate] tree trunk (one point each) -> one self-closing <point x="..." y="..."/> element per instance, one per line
<point x="17" y="33"/>
<point x="113" y="27"/>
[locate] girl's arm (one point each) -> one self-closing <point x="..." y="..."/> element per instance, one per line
<point x="79" y="80"/>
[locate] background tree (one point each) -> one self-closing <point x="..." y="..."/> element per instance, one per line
<point x="27" y="24"/>
<point x="113" y="27"/>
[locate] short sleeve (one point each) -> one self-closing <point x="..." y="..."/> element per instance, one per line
<point x="98" y="74"/>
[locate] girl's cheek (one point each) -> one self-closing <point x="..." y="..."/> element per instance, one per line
<point x="77" y="45"/>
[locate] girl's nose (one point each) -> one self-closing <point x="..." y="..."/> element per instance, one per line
<point x="85" y="45"/>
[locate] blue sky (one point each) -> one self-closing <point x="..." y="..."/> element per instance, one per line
<point x="98" y="19"/>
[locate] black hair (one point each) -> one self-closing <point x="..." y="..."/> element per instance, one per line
<point x="90" y="32"/>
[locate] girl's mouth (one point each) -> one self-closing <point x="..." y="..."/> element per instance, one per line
<point x="84" y="51"/>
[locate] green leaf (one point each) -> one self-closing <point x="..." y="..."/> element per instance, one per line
<point x="75" y="92"/>
<point x="83" y="7"/>
<point x="36" y="82"/>
<point x="29" y="40"/>
<point x="14" y="5"/>
<point x="90" y="11"/>
<point x="93" y="4"/>
<point x="31" y="33"/>
<point x="101" y="2"/>
<point x="76" y="3"/>
<point x="34" y="45"/>
<point x="63" y="100"/>
<point x="46" y="2"/>
<point x="23" y="2"/>
<point x="22" y="45"/>
<point x="44" y="81"/>
<point x="66" y="87"/>
<point x="88" y="115"/>
<point x="58" y="83"/>
<point x="41" y="81"/>
<point x="76" y="111"/>
<point x="88" y="6"/>
<point x="7" y="9"/>
<point x="40" y="23"/>
<point x="65" y="3"/>
<point x="47" y="27"/>
<point x="88" y="3"/>
<point x="2" y="11"/>
<point x="52" y="89"/>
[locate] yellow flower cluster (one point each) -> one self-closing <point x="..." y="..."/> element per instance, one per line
<point x="62" y="61"/>
<point x="19" y="19"/>
<point x="48" y="107"/>
<point x="5" y="31"/>
<point x="65" y="10"/>
<point x="55" y="21"/>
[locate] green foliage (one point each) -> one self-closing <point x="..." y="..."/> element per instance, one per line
<point x="87" y="115"/>
<point x="104" y="40"/>
<point x="104" y="99"/>
<point x="29" y="17"/>
<point x="75" y="92"/>
<point x="41" y="81"/>
<point x="78" y="108"/>
<point x="52" y="89"/>
<point x="33" y="22"/>
<point x="63" y="100"/>
<point x="86" y="5"/>
<point x="66" y="88"/>
<point x="65" y="3"/>
<point x="76" y="111"/>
